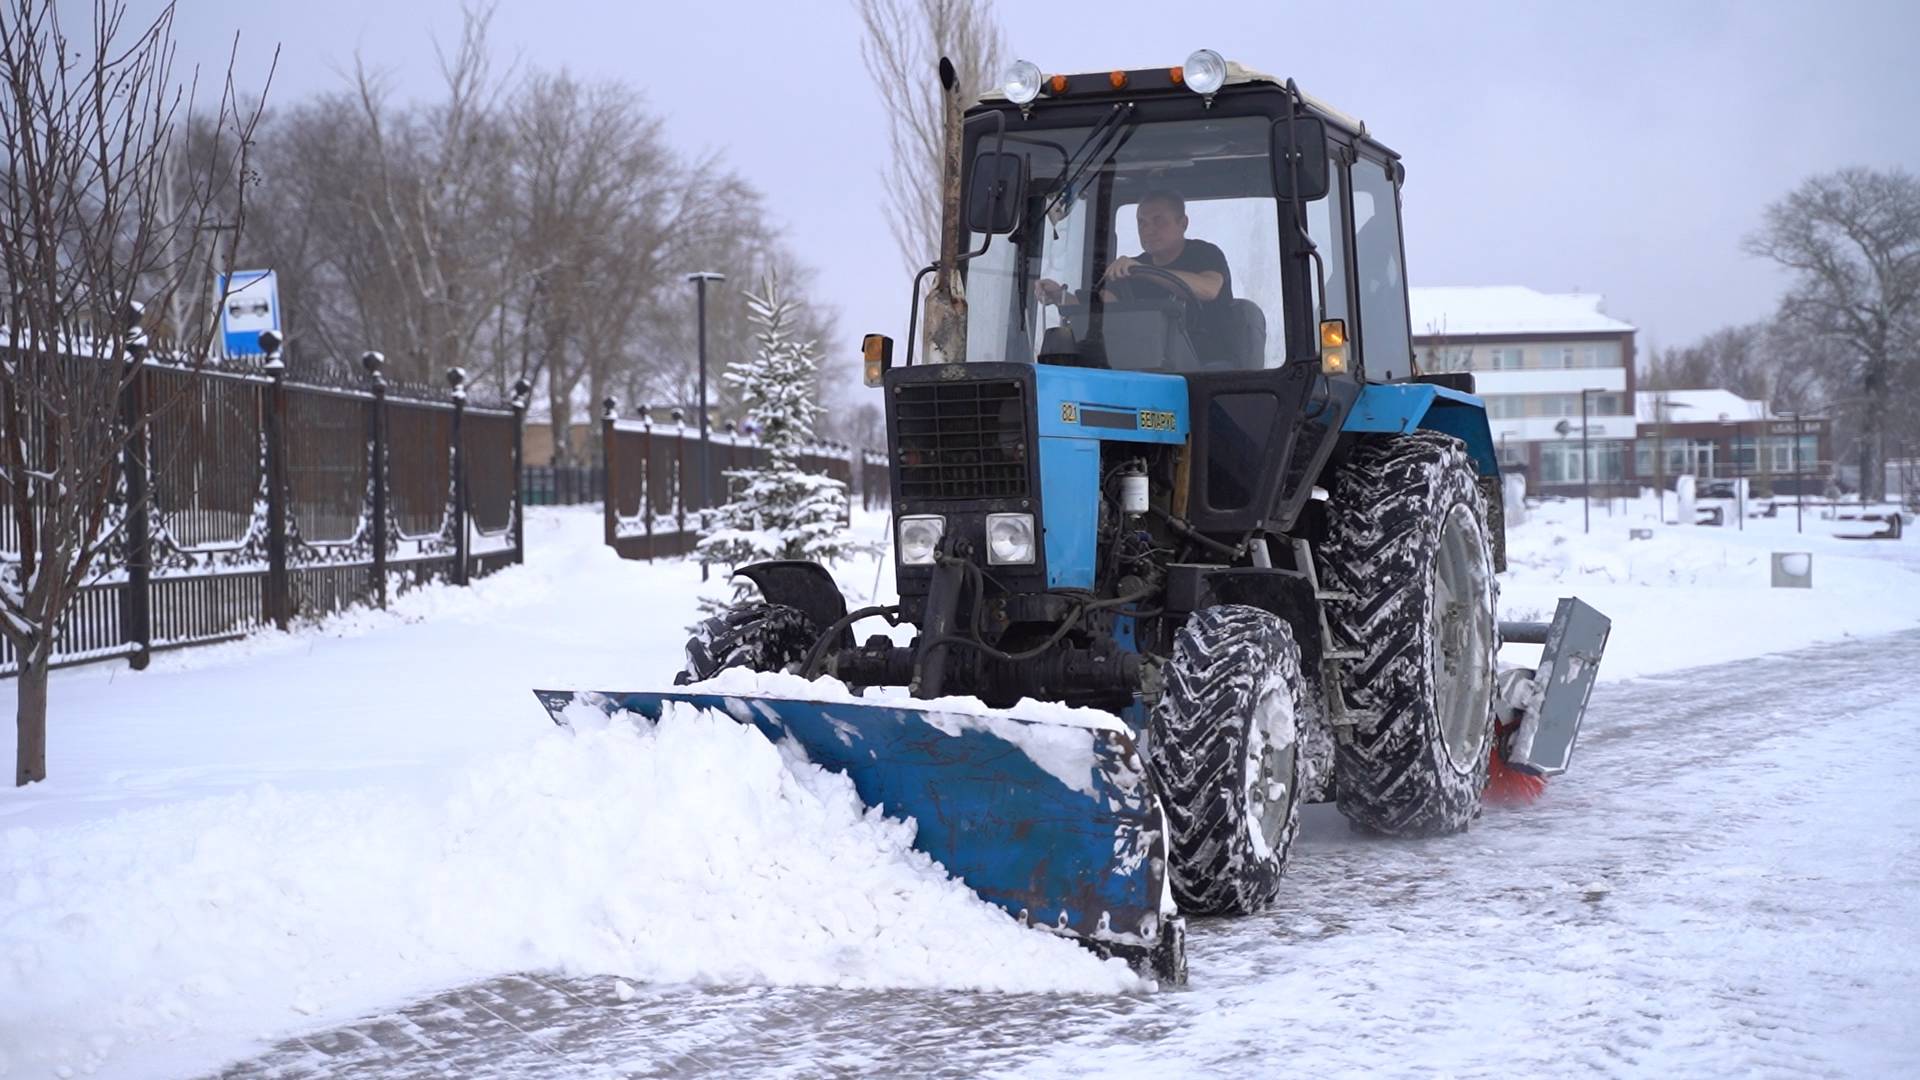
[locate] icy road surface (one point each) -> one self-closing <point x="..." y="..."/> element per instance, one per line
<point x="1728" y="884"/>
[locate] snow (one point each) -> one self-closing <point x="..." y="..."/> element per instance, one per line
<point x="1696" y="594"/>
<point x="1454" y="310"/>
<point x="1696" y="406"/>
<point x="279" y="834"/>
<point x="1058" y="738"/>
<point x="286" y="831"/>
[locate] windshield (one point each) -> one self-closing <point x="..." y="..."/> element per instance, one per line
<point x="1162" y="254"/>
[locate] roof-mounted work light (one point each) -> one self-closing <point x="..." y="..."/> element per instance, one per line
<point x="1022" y="81"/>
<point x="1205" y="72"/>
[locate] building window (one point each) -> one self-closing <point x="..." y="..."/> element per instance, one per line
<point x="1777" y="454"/>
<point x="1506" y="406"/>
<point x="1560" y="462"/>
<point x="1502" y="359"/>
<point x="1646" y="457"/>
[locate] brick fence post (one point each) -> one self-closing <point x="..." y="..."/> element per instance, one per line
<point x="279" y="593"/>
<point x="522" y="393"/>
<point x="377" y="468"/>
<point x="136" y="612"/>
<point x="457" y="380"/>
<point x="609" y="472"/>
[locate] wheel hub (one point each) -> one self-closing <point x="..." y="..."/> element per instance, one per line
<point x="1461" y="638"/>
<point x="1270" y="770"/>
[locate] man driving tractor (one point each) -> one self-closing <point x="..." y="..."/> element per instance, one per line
<point x="1161" y="218"/>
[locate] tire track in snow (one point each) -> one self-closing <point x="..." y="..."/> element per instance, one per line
<point x="1723" y="886"/>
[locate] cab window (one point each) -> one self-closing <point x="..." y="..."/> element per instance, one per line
<point x="1385" y="345"/>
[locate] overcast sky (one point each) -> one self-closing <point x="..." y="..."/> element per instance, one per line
<point x="1622" y="149"/>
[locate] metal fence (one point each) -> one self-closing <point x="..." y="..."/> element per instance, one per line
<point x="561" y="485"/>
<point x="252" y="501"/>
<point x="651" y="486"/>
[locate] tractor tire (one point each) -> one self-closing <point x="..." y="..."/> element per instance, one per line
<point x="756" y="635"/>
<point x="1407" y="546"/>
<point x="1222" y="747"/>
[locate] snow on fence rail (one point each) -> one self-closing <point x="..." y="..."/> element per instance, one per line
<point x="256" y="501"/>
<point x="651" y="490"/>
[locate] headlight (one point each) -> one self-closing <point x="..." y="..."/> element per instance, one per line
<point x="920" y="538"/>
<point x="1205" y="71"/>
<point x="1009" y="538"/>
<point x="1022" y="81"/>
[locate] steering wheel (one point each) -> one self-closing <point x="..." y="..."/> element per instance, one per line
<point x="1126" y="289"/>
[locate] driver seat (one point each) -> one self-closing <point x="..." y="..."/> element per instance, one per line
<point x="1244" y="332"/>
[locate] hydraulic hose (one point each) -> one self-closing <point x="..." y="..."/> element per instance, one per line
<point x="889" y="612"/>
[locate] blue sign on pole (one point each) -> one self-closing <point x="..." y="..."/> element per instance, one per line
<point x="249" y="304"/>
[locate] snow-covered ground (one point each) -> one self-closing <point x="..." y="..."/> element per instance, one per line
<point x="282" y="834"/>
<point x="1693" y="595"/>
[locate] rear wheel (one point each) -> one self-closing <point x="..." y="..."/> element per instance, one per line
<point x="1222" y="745"/>
<point x="1407" y="542"/>
<point x="757" y="636"/>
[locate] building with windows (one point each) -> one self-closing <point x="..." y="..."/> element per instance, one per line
<point x="1534" y="357"/>
<point x="1717" y="435"/>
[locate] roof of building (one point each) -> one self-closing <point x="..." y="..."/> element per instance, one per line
<point x="1697" y="406"/>
<point x="1454" y="311"/>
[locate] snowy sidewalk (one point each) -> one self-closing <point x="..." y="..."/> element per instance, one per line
<point x="1727" y="885"/>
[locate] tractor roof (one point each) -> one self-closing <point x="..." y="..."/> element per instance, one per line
<point x="1089" y="84"/>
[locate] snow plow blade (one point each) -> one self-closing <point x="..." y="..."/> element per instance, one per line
<point x="1053" y="822"/>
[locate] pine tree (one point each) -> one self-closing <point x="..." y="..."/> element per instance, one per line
<point x="779" y="510"/>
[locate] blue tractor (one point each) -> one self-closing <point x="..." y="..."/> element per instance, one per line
<point x="1182" y="536"/>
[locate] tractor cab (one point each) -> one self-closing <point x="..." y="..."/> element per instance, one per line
<point x="1195" y="219"/>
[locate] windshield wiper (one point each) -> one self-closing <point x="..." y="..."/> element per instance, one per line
<point x="1101" y="143"/>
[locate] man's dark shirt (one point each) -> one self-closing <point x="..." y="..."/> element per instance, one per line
<point x="1208" y="324"/>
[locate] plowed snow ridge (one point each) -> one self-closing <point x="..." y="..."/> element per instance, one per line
<point x="688" y="851"/>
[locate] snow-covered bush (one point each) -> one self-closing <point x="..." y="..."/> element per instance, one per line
<point x="779" y="510"/>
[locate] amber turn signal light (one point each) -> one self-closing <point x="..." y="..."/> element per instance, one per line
<point x="1333" y="347"/>
<point x="877" y="352"/>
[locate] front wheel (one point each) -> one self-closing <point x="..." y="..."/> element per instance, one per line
<point x="1222" y="746"/>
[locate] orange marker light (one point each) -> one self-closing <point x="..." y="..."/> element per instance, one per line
<point x="1333" y="347"/>
<point x="1118" y="79"/>
<point x="1059" y="84"/>
<point x="1177" y="74"/>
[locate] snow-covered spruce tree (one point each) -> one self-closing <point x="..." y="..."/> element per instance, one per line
<point x="779" y="510"/>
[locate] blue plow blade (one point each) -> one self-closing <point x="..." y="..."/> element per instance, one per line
<point x="1072" y="842"/>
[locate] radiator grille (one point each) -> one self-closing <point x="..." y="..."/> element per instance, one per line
<point x="962" y="440"/>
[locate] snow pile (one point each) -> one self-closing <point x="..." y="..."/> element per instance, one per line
<point x="688" y="851"/>
<point x="1056" y="737"/>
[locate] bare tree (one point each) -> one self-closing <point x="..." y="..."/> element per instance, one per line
<point x="557" y="250"/>
<point x="435" y="204"/>
<point x="904" y="41"/>
<point x="1852" y="240"/>
<point x="96" y="221"/>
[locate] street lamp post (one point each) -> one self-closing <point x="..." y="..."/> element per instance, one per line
<point x="1799" y="482"/>
<point x="1586" y="464"/>
<point x="700" y="278"/>
<point x="1740" y="472"/>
